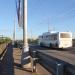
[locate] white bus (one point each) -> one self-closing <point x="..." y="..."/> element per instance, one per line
<point x="56" y="39"/>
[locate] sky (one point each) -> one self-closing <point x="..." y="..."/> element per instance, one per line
<point x="58" y="15"/>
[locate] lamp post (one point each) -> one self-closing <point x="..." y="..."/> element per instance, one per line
<point x="25" y="60"/>
<point x="25" y="41"/>
<point x="14" y="33"/>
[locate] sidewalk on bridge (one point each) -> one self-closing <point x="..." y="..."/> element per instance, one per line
<point x="18" y="70"/>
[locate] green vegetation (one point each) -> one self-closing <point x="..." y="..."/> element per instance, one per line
<point x="4" y="40"/>
<point x="32" y="41"/>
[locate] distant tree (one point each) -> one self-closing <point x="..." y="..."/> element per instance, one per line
<point x="7" y="39"/>
<point x="4" y="40"/>
<point x="32" y="41"/>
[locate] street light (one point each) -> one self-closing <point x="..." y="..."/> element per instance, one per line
<point x="25" y="60"/>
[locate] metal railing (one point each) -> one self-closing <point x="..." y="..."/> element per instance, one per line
<point x="53" y="65"/>
<point x="69" y="69"/>
<point x="3" y="52"/>
<point x="34" y="60"/>
<point x="50" y="64"/>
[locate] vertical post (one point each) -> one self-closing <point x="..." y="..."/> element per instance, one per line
<point x="48" y="26"/>
<point x="31" y="36"/>
<point x="25" y="41"/>
<point x="25" y="60"/>
<point x="14" y="33"/>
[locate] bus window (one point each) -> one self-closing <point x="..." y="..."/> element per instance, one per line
<point x="64" y="35"/>
<point x="53" y="37"/>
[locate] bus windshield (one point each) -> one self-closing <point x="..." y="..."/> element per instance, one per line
<point x="64" y="35"/>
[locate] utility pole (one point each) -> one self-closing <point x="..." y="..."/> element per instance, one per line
<point x="48" y="26"/>
<point x="25" y="38"/>
<point x="14" y="33"/>
<point x="31" y="36"/>
<point x="25" y="60"/>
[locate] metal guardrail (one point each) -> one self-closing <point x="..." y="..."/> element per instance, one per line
<point x="54" y="65"/>
<point x="57" y="66"/>
<point x="3" y="53"/>
<point x="34" y="60"/>
<point x="50" y="64"/>
<point x="69" y="69"/>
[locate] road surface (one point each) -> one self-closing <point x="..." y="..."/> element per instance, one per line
<point x="67" y="55"/>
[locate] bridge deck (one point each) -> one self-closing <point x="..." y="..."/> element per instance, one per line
<point x="19" y="71"/>
<point x="11" y="65"/>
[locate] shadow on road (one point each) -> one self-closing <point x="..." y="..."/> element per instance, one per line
<point x="19" y="66"/>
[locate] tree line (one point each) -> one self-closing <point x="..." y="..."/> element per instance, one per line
<point x="4" y="40"/>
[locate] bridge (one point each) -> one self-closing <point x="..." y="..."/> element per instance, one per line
<point x="49" y="61"/>
<point x="10" y="63"/>
<point x="14" y="60"/>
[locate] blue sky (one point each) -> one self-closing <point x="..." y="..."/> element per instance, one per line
<point x="59" y="14"/>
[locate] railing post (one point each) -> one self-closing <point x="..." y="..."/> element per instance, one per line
<point x="59" y="69"/>
<point x="34" y="59"/>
